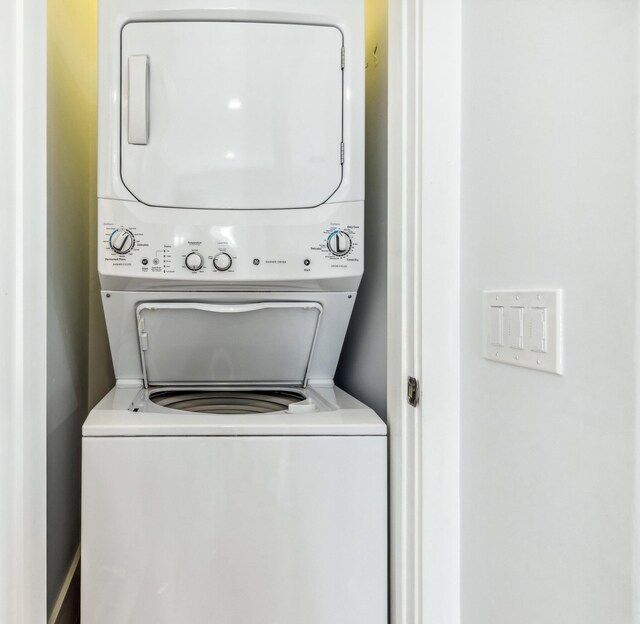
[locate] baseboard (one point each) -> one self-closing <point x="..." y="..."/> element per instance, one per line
<point x="67" y="607"/>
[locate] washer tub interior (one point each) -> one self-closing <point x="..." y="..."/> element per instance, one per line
<point x="227" y="401"/>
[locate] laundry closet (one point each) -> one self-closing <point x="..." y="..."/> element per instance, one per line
<point x="250" y="248"/>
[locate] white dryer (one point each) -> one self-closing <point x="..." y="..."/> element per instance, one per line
<point x="225" y="478"/>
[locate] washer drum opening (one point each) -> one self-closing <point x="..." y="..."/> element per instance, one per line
<point x="227" y="401"/>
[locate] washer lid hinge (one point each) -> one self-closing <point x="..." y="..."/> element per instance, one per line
<point x="342" y="56"/>
<point x="342" y="153"/>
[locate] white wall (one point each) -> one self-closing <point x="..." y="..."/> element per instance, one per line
<point x="362" y="370"/>
<point x="548" y="200"/>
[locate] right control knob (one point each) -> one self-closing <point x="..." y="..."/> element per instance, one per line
<point x="222" y="262"/>
<point x="339" y="243"/>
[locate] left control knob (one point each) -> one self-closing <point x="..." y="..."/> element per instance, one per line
<point x="122" y="241"/>
<point x="194" y="261"/>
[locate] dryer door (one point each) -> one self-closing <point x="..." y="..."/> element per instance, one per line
<point x="231" y="114"/>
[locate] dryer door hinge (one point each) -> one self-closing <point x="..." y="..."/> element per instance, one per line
<point x="413" y="391"/>
<point x="342" y="56"/>
<point x="342" y="153"/>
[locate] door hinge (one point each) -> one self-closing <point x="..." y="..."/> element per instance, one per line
<point x="413" y="391"/>
<point x="341" y="153"/>
<point x="342" y="57"/>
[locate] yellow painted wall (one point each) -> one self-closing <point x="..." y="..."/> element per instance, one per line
<point x="78" y="361"/>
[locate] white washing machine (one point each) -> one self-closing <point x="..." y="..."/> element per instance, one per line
<point x="225" y="478"/>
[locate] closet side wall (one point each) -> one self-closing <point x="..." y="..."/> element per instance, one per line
<point x="72" y="336"/>
<point x="362" y="370"/>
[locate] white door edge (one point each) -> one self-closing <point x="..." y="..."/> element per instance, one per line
<point x="423" y="296"/>
<point x="23" y="309"/>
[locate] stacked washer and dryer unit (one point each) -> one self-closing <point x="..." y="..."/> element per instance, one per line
<point x="225" y="478"/>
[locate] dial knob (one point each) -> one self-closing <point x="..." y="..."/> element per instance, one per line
<point x="339" y="243"/>
<point x="222" y="262"/>
<point x="122" y="241"/>
<point x="194" y="261"/>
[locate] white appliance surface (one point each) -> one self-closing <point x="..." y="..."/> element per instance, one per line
<point x="123" y="328"/>
<point x="336" y="413"/>
<point x="234" y="529"/>
<point x="212" y="343"/>
<point x="233" y="60"/>
<point x="230" y="249"/>
<point x="281" y="249"/>
<point x="267" y="136"/>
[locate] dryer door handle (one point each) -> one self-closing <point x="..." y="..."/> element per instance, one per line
<point x="138" y="133"/>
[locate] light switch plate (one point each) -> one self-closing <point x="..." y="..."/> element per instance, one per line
<point x="531" y="322"/>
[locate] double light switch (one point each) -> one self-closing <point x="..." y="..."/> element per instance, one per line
<point x="523" y="328"/>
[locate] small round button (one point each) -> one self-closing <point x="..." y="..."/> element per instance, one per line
<point x="339" y="243"/>
<point x="121" y="241"/>
<point x="222" y="262"/>
<point x="194" y="261"/>
<point x="145" y="261"/>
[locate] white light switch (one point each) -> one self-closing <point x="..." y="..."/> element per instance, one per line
<point x="516" y="327"/>
<point x="538" y="329"/>
<point x="497" y="326"/>
<point x="524" y="328"/>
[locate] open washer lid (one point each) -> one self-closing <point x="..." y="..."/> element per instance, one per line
<point x="211" y="344"/>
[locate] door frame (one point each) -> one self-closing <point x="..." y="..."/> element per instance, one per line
<point x="424" y="310"/>
<point x="23" y="312"/>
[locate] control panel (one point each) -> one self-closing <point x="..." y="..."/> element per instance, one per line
<point x="141" y="242"/>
